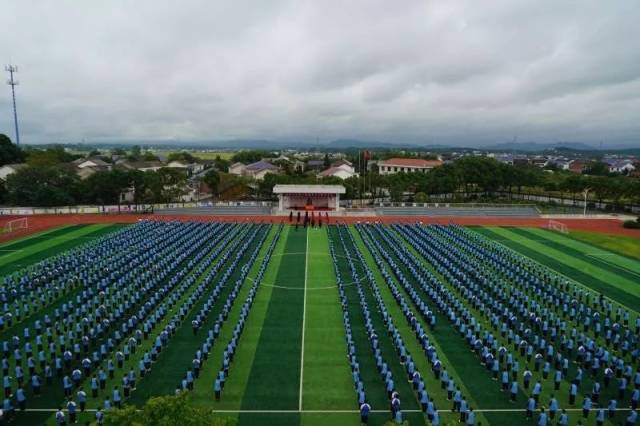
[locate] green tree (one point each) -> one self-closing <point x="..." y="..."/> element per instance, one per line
<point x="181" y="156"/>
<point x="597" y="168"/>
<point x="9" y="152"/>
<point x="149" y="156"/>
<point x="212" y="179"/>
<point x="45" y="186"/>
<point x="173" y="184"/>
<point x="165" y="411"/>
<point x="442" y="180"/>
<point x="49" y="157"/>
<point x="250" y="156"/>
<point x="420" y="197"/>
<point x="106" y="187"/>
<point x="221" y="164"/>
<point x="136" y="153"/>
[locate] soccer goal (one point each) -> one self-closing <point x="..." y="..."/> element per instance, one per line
<point x="554" y="225"/>
<point x="16" y="224"/>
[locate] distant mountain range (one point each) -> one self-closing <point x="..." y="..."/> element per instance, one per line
<point x="351" y="144"/>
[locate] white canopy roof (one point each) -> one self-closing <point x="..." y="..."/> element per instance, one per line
<point x="309" y="189"/>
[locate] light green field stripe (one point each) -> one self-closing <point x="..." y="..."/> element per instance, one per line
<point x="10" y="257"/>
<point x="34" y="235"/>
<point x="624" y="245"/>
<point x="589" y="250"/>
<point x="605" y="276"/>
<point x="243" y="360"/>
<point x="432" y="385"/>
<point x="327" y="383"/>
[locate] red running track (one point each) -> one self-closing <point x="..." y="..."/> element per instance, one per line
<point x="38" y="223"/>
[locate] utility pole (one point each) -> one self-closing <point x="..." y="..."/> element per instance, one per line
<point x="13" y="83"/>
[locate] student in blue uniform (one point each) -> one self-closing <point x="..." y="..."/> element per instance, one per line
<point x="365" y="408"/>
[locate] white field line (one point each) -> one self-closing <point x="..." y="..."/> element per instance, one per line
<point x="479" y="410"/>
<point x="304" y="314"/>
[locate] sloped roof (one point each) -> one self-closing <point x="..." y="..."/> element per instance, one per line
<point x="94" y="160"/>
<point x="332" y="170"/>
<point x="261" y="165"/>
<point x="309" y="189"/>
<point x="410" y="162"/>
<point x="142" y="164"/>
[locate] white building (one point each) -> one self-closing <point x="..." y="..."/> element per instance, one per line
<point x="339" y="172"/>
<point x="9" y="169"/>
<point x="309" y="197"/>
<point x="406" y="165"/>
<point x="237" y="169"/>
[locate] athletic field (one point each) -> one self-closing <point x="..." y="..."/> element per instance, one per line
<point x="278" y="302"/>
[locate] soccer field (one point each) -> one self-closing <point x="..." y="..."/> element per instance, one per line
<point x="301" y="319"/>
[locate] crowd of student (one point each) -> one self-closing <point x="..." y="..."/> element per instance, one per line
<point x="82" y="348"/>
<point x="447" y="382"/>
<point x="239" y="246"/>
<point x="214" y="332"/>
<point x="413" y="376"/>
<point x="520" y="322"/>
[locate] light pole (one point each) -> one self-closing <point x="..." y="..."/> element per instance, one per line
<point x="585" y="192"/>
<point x="12" y="69"/>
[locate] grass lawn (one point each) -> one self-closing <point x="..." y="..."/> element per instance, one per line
<point x="290" y="366"/>
<point x="627" y="246"/>
<point x="33" y="250"/>
<point x="327" y="380"/>
<point x="274" y="380"/>
<point x="30" y="239"/>
<point x="622" y="290"/>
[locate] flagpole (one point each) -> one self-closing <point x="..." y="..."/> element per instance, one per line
<point x="359" y="171"/>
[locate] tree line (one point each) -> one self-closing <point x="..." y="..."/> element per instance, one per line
<point x="470" y="177"/>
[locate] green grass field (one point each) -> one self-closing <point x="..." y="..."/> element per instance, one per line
<point x="627" y="246"/>
<point x="291" y="365"/>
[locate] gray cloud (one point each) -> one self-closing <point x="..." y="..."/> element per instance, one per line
<point x="413" y="71"/>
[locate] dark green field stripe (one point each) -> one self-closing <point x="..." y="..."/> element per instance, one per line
<point x="176" y="358"/>
<point x="40" y="237"/>
<point x="55" y="249"/>
<point x="610" y="291"/>
<point x="607" y="266"/>
<point x="274" y="381"/>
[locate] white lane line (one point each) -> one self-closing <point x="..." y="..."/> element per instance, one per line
<point x="304" y="315"/>
<point x="478" y="410"/>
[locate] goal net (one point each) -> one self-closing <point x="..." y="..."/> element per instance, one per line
<point x="554" y="225"/>
<point x="16" y="224"/>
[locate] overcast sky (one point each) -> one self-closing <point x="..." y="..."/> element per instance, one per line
<point x="465" y="72"/>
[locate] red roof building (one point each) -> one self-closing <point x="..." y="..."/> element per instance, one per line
<point x="406" y="165"/>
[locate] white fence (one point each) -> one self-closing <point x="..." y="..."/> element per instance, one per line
<point x="123" y="209"/>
